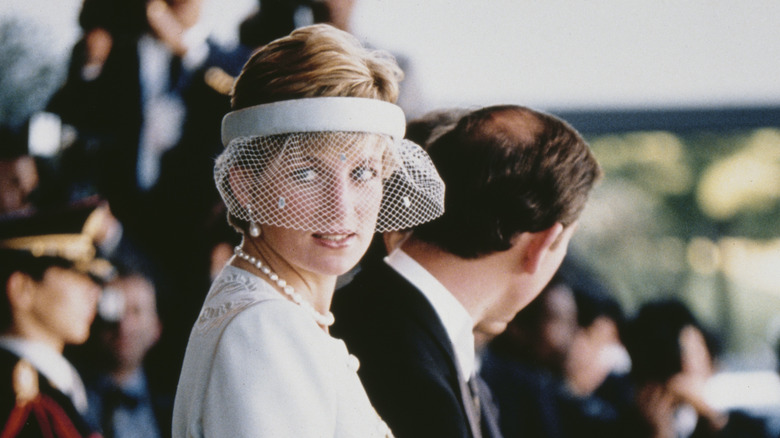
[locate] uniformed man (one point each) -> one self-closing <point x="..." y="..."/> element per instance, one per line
<point x="50" y="279"/>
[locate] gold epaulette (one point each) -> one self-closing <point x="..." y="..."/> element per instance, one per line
<point x="219" y="80"/>
<point x="25" y="382"/>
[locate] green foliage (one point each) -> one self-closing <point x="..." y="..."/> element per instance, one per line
<point x="661" y="193"/>
<point x="29" y="72"/>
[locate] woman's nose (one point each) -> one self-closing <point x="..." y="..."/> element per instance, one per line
<point x="342" y="199"/>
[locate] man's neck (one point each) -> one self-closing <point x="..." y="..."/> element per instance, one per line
<point x="460" y="276"/>
<point x="122" y="375"/>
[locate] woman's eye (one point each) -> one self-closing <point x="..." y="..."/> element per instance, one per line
<point x="363" y="174"/>
<point x="304" y="174"/>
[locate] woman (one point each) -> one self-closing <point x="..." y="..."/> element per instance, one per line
<point x="311" y="146"/>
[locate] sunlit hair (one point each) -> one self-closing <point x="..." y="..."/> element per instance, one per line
<point x="316" y="61"/>
<point x="508" y="170"/>
<point x="25" y="262"/>
<point x="310" y="103"/>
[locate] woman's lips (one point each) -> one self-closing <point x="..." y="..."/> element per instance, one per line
<point x="335" y="240"/>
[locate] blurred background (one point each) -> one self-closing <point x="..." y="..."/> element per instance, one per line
<point x="679" y="100"/>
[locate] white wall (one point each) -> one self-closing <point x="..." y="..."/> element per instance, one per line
<point x="552" y="54"/>
<point x="584" y="54"/>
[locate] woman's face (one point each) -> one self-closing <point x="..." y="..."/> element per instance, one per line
<point x="336" y="191"/>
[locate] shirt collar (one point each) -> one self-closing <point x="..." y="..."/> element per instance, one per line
<point x="60" y="373"/>
<point x="134" y="385"/>
<point x="456" y="320"/>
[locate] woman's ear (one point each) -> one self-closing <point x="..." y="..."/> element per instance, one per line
<point x="539" y="245"/>
<point x="237" y="177"/>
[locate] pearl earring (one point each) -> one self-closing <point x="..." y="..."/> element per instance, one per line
<point x="254" y="229"/>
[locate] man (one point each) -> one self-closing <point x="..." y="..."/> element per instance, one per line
<point x="47" y="271"/>
<point x="524" y="365"/>
<point x="18" y="172"/>
<point x="544" y="369"/>
<point x="148" y="131"/>
<point x="516" y="181"/>
<point x="671" y="362"/>
<point x="122" y="400"/>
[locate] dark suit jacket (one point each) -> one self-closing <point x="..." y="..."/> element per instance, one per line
<point x="63" y="407"/>
<point x="107" y="113"/>
<point x="407" y="362"/>
<point x="102" y="391"/>
<point x="164" y="221"/>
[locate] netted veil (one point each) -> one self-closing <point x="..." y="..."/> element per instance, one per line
<point x="317" y="163"/>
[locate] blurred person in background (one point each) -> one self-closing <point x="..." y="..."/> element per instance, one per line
<point x="33" y="173"/>
<point x="524" y="366"/>
<point x="49" y="276"/>
<point x="103" y="23"/>
<point x="276" y="18"/>
<point x="123" y="401"/>
<point x="672" y="361"/>
<point x="147" y="131"/>
<point x="547" y="368"/>
<point x="18" y="172"/>
<point x="596" y="386"/>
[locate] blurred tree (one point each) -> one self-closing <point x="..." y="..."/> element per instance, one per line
<point x="31" y="67"/>
<point x="658" y="222"/>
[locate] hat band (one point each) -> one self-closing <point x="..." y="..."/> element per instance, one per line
<point x="316" y="114"/>
<point x="73" y="247"/>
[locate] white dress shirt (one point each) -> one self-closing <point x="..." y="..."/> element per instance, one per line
<point x="164" y="111"/>
<point x="456" y="320"/>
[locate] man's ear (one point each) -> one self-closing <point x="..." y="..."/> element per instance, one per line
<point x="539" y="245"/>
<point x="19" y="290"/>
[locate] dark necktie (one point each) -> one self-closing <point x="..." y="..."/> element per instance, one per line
<point x="474" y="390"/>
<point x="174" y="72"/>
<point x="114" y="399"/>
<point x="472" y="405"/>
<point x="485" y="406"/>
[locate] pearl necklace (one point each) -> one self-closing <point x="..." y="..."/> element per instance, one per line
<point x="325" y="320"/>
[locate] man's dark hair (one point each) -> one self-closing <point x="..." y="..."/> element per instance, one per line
<point x="22" y="261"/>
<point x="652" y="339"/>
<point x="508" y="170"/>
<point x="425" y="129"/>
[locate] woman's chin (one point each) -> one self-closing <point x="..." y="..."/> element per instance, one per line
<point x="338" y="265"/>
<point x="338" y="269"/>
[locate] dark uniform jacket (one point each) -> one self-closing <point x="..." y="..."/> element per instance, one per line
<point x="45" y="412"/>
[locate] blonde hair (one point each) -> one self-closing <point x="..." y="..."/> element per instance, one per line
<point x="316" y="61"/>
